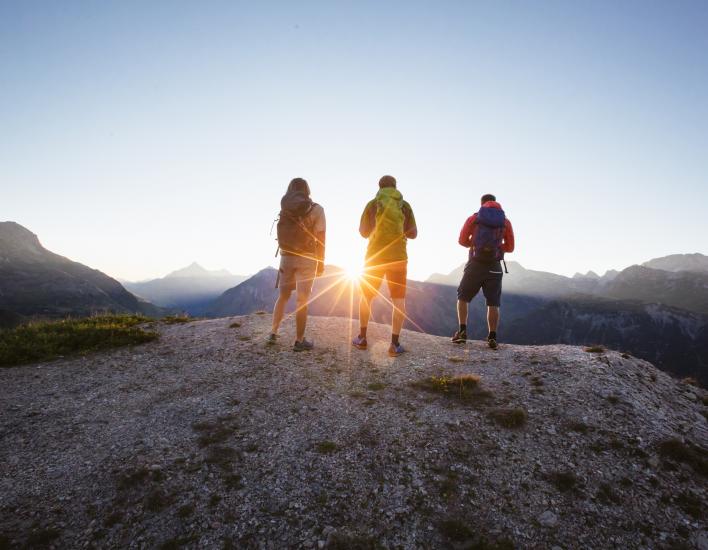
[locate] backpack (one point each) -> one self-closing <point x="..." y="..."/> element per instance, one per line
<point x="390" y="217"/>
<point x="487" y="241"/>
<point x="295" y="225"/>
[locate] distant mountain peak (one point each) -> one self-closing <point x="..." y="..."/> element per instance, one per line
<point x="196" y="270"/>
<point x="680" y="262"/>
<point x="589" y="275"/>
<point x="16" y="238"/>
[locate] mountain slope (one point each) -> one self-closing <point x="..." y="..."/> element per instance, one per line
<point x="680" y="262"/>
<point x="190" y="289"/>
<point x="209" y="438"/>
<point x="682" y="289"/>
<point x="35" y="281"/>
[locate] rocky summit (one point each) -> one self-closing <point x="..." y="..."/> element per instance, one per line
<point x="209" y="438"/>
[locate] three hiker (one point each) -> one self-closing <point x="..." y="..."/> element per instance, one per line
<point x="301" y="240"/>
<point x="387" y="222"/>
<point x="488" y="234"/>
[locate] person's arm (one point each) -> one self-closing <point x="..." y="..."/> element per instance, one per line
<point x="368" y="220"/>
<point x="466" y="232"/>
<point x="410" y="229"/>
<point x="508" y="245"/>
<point x="320" y="232"/>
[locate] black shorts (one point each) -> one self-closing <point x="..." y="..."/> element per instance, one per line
<point x="478" y="275"/>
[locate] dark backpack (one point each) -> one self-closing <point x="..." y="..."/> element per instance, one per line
<point x="295" y="234"/>
<point x="489" y="234"/>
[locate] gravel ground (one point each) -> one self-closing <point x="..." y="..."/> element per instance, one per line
<point x="209" y="438"/>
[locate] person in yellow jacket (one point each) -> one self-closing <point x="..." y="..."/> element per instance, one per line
<point x="388" y="223"/>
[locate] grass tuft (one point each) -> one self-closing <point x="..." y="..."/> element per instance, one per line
<point x="595" y="349"/>
<point x="235" y="325"/>
<point x="686" y="453"/>
<point x="691" y="504"/>
<point x="43" y="341"/>
<point x="455" y="529"/>
<point x="42" y="537"/>
<point x="464" y="387"/>
<point x="509" y="418"/>
<point x="177" y="319"/>
<point x="563" y="481"/>
<point x="691" y="381"/>
<point x="607" y="495"/>
<point x="326" y="447"/>
<point x="376" y="386"/>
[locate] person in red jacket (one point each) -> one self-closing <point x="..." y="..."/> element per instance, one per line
<point x="489" y="235"/>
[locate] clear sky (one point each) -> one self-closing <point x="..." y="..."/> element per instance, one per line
<point x="136" y="137"/>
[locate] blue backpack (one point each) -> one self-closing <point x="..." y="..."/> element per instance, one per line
<point x="487" y="242"/>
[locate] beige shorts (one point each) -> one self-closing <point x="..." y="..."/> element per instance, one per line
<point x="297" y="272"/>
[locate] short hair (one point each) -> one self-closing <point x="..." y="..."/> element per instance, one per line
<point x="387" y="181"/>
<point x="488" y="197"/>
<point x="299" y="185"/>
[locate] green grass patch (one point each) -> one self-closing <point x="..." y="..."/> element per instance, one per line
<point x="376" y="386"/>
<point x="43" y="341"/>
<point x="464" y="387"/>
<point x="177" y="319"/>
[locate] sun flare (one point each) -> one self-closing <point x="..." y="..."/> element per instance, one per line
<point x="353" y="273"/>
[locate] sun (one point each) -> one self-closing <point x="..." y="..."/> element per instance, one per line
<point x="352" y="272"/>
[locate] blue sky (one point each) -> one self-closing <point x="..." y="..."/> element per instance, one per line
<point x="137" y="137"/>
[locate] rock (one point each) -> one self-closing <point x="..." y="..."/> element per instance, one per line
<point x="548" y="519"/>
<point x="702" y="540"/>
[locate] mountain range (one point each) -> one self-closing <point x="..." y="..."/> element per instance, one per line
<point x="655" y="314"/>
<point x="657" y="311"/>
<point x="190" y="289"/>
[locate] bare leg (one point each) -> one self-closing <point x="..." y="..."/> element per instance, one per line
<point x="364" y="311"/>
<point x="462" y="308"/>
<point x="301" y="314"/>
<point x="279" y="309"/>
<point x="398" y="315"/>
<point x="492" y="318"/>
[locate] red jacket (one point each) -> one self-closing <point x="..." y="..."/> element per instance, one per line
<point x="467" y="233"/>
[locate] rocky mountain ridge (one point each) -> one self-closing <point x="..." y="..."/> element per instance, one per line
<point x="37" y="282"/>
<point x="209" y="438"/>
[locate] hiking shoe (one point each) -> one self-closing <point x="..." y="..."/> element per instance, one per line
<point x="272" y="339"/>
<point x="492" y="343"/>
<point x="305" y="345"/>
<point x="460" y="337"/>
<point x="394" y="350"/>
<point x="359" y="343"/>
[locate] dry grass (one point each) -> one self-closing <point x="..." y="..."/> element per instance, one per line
<point x="509" y="418"/>
<point x="326" y="447"/>
<point x="595" y="349"/>
<point x="687" y="453"/>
